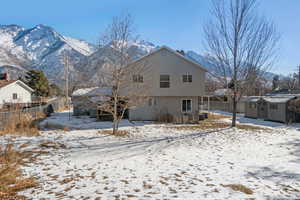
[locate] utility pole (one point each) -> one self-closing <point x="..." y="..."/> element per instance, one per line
<point x="299" y="76"/>
<point x="66" y="66"/>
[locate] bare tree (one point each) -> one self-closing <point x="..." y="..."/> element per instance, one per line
<point x="289" y="82"/>
<point x="124" y="78"/>
<point x="242" y="43"/>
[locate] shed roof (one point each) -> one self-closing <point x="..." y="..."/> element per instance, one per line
<point x="93" y="91"/>
<point x="279" y="99"/>
<point x="222" y="92"/>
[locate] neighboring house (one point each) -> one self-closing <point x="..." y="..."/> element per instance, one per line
<point x="176" y="83"/>
<point x="221" y="99"/>
<point x="14" y="91"/>
<point x="272" y="107"/>
<point x="86" y="100"/>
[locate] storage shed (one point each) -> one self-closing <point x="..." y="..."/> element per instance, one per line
<point x="251" y="107"/>
<point x="278" y="108"/>
<point x="86" y="100"/>
<point x="273" y="108"/>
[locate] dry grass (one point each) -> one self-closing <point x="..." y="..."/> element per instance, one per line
<point x="22" y="124"/>
<point x="212" y="116"/>
<point x="239" y="187"/>
<point x="11" y="178"/>
<point x="214" y="121"/>
<point x="210" y="125"/>
<point x="120" y="133"/>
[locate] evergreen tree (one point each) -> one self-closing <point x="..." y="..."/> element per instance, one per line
<point x="37" y="80"/>
<point x="55" y="90"/>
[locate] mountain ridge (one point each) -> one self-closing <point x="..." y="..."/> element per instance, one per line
<point x="42" y="47"/>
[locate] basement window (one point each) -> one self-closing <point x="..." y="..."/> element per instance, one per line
<point x="186" y="105"/>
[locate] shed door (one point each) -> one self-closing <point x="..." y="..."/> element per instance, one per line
<point x="262" y="110"/>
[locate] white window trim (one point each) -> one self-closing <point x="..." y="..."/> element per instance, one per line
<point x="186" y="74"/>
<point x="191" y="106"/>
<point x="165" y="81"/>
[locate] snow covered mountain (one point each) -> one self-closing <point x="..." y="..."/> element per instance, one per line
<point x="40" y="47"/>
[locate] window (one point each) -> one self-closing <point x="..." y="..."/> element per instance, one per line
<point x="164" y="81"/>
<point x="187" y="78"/>
<point x="15" y="96"/>
<point x="273" y="106"/>
<point x="137" y="78"/>
<point x="186" y="105"/>
<point x="152" y="102"/>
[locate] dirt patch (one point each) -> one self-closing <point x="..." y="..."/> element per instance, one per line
<point x="51" y="144"/>
<point x="203" y="125"/>
<point x="212" y="124"/>
<point x="212" y="116"/>
<point x="239" y="187"/>
<point x="120" y="133"/>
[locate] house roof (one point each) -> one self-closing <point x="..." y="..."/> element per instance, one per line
<point x="173" y="52"/>
<point x="252" y="99"/>
<point x="222" y="92"/>
<point x="92" y="91"/>
<point x="4" y="83"/>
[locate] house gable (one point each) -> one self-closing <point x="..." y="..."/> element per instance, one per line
<point x="15" y="92"/>
<point x="165" y="61"/>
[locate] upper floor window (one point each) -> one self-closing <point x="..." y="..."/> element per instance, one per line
<point x="164" y="81"/>
<point x="15" y="96"/>
<point x="137" y="78"/>
<point x="187" y="78"/>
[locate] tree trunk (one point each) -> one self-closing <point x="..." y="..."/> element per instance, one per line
<point x="234" y="108"/>
<point x="115" y="127"/>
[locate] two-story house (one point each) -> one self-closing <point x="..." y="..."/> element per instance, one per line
<point x="175" y="85"/>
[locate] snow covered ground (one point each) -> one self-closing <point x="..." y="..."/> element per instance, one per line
<point x="158" y="161"/>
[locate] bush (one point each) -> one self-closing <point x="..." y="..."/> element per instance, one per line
<point x="165" y="118"/>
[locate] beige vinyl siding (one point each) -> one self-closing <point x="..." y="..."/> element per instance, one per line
<point x="278" y="114"/>
<point x="164" y="62"/>
<point x="163" y="105"/>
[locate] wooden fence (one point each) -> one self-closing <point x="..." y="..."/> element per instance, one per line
<point x="35" y="112"/>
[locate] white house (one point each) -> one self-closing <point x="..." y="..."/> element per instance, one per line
<point x="14" y="91"/>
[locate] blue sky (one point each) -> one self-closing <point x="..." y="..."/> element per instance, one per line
<point x="175" y="23"/>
